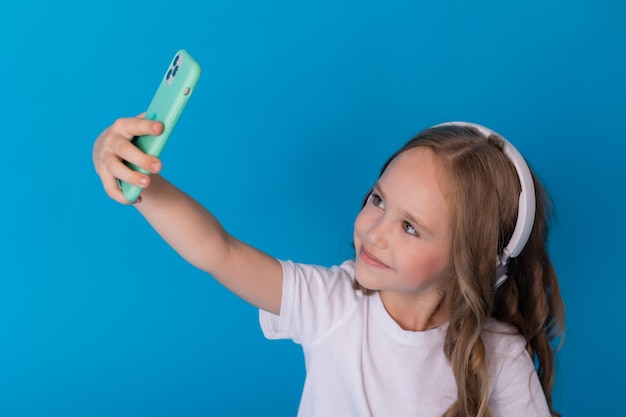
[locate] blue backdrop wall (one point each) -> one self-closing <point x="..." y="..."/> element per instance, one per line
<point x="298" y="106"/>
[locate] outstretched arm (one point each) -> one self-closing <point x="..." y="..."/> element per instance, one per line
<point x="184" y="224"/>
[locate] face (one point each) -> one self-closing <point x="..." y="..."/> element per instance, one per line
<point x="402" y="236"/>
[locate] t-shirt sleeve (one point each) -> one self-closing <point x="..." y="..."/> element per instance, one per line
<point x="314" y="299"/>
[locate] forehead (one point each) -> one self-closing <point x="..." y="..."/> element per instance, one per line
<point x="418" y="165"/>
<point x="415" y="182"/>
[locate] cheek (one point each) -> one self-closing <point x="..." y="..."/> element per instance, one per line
<point x="425" y="265"/>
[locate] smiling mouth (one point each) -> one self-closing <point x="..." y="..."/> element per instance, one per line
<point x="370" y="259"/>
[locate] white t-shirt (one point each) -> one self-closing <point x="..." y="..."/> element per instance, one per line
<point x="360" y="362"/>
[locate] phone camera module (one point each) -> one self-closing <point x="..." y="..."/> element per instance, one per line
<point x="173" y="69"/>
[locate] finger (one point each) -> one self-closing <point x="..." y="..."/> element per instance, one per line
<point x="136" y="126"/>
<point x="130" y="153"/>
<point x="111" y="186"/>
<point x="116" y="140"/>
<point x="116" y="169"/>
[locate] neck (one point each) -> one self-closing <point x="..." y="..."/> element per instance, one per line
<point x="413" y="312"/>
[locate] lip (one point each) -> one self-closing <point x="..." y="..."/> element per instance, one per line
<point x="370" y="259"/>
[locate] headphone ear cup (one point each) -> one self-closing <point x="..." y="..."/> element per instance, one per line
<point x="501" y="272"/>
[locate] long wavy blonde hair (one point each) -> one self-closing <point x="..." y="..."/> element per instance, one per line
<point x="483" y="195"/>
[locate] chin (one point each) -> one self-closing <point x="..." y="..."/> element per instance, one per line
<point x="360" y="287"/>
<point x="363" y="280"/>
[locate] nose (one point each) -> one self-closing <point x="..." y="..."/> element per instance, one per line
<point x="378" y="232"/>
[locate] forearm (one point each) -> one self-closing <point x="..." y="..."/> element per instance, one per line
<point x="199" y="238"/>
<point x="184" y="224"/>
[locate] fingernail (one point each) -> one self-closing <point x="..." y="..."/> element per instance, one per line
<point x="155" y="167"/>
<point x="143" y="181"/>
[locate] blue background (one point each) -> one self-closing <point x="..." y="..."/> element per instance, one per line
<point x="299" y="105"/>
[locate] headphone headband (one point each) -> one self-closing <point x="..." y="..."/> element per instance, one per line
<point x="526" y="210"/>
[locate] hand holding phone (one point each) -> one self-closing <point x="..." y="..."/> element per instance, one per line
<point x="171" y="97"/>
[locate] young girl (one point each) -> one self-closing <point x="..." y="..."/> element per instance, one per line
<point x="449" y="307"/>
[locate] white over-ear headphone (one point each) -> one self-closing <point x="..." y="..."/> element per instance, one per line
<point x="526" y="211"/>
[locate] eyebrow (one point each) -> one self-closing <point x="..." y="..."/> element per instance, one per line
<point x="409" y="216"/>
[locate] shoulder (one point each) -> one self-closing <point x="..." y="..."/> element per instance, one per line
<point x="515" y="389"/>
<point x="505" y="349"/>
<point x="316" y="276"/>
<point x="502" y="339"/>
<point x="313" y="299"/>
<point x="346" y="268"/>
<point x="325" y="289"/>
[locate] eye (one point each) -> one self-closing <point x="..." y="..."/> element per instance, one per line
<point x="408" y="227"/>
<point x="376" y="200"/>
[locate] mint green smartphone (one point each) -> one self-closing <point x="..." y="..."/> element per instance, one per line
<point x="167" y="104"/>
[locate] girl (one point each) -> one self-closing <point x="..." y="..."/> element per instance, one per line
<point x="441" y="313"/>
